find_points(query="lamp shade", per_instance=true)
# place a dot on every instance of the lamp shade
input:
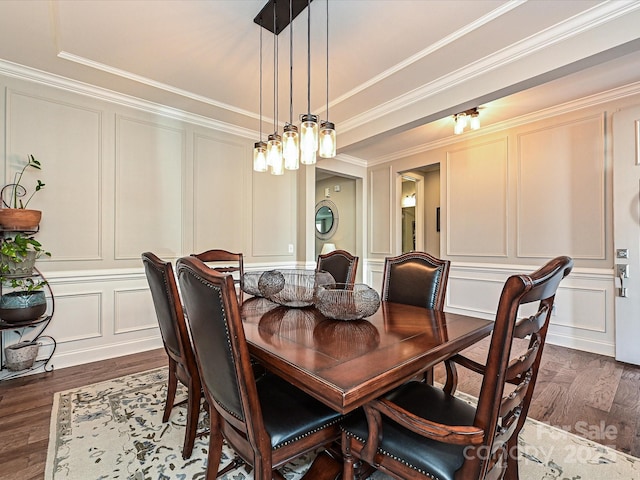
(260, 157)
(327, 140)
(308, 139)
(290, 150)
(327, 247)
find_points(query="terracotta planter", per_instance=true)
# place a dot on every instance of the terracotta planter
(12, 269)
(20, 307)
(20, 219)
(21, 355)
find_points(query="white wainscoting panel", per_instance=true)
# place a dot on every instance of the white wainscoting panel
(477, 207)
(583, 317)
(149, 178)
(561, 189)
(134, 310)
(78, 316)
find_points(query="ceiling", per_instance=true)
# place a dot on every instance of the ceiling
(397, 68)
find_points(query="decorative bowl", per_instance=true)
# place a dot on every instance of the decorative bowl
(342, 301)
(291, 288)
(249, 283)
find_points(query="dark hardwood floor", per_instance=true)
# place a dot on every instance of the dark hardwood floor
(587, 394)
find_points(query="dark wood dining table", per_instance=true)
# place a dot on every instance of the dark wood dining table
(344, 364)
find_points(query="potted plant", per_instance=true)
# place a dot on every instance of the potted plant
(15, 215)
(18, 254)
(25, 302)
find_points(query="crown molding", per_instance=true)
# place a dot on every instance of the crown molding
(22, 72)
(578, 24)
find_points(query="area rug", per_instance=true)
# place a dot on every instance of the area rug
(114, 430)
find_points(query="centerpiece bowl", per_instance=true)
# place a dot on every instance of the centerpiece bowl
(291, 288)
(342, 301)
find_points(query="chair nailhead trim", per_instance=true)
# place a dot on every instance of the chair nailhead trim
(390, 455)
(310, 432)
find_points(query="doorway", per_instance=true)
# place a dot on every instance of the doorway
(420, 210)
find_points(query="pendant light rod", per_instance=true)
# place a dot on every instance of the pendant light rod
(309, 57)
(275, 73)
(291, 61)
(327, 2)
(261, 84)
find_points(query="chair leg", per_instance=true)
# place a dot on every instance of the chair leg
(193, 413)
(512, 458)
(171, 390)
(215, 445)
(347, 459)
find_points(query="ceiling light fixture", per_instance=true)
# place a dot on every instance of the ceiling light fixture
(469, 118)
(296, 147)
(327, 135)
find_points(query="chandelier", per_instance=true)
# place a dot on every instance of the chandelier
(292, 148)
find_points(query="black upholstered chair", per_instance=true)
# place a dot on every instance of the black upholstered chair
(177, 344)
(415, 278)
(267, 421)
(340, 264)
(420, 431)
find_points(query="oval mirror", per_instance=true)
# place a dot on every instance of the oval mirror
(326, 219)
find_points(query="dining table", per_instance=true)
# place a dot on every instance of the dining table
(345, 364)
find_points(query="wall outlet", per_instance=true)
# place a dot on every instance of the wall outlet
(291, 248)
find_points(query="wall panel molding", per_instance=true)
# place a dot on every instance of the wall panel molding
(561, 189)
(477, 213)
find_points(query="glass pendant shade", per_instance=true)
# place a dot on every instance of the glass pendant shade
(327, 140)
(290, 147)
(274, 154)
(260, 157)
(475, 121)
(461, 123)
(308, 139)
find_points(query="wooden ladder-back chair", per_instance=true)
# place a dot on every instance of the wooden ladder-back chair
(340, 264)
(224, 261)
(420, 431)
(177, 343)
(267, 421)
(415, 278)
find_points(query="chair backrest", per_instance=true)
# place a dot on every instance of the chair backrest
(501, 412)
(166, 300)
(223, 261)
(220, 346)
(415, 278)
(340, 264)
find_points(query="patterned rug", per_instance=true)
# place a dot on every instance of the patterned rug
(114, 430)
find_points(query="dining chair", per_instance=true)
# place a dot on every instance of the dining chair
(421, 431)
(267, 421)
(340, 264)
(177, 343)
(415, 278)
(224, 261)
